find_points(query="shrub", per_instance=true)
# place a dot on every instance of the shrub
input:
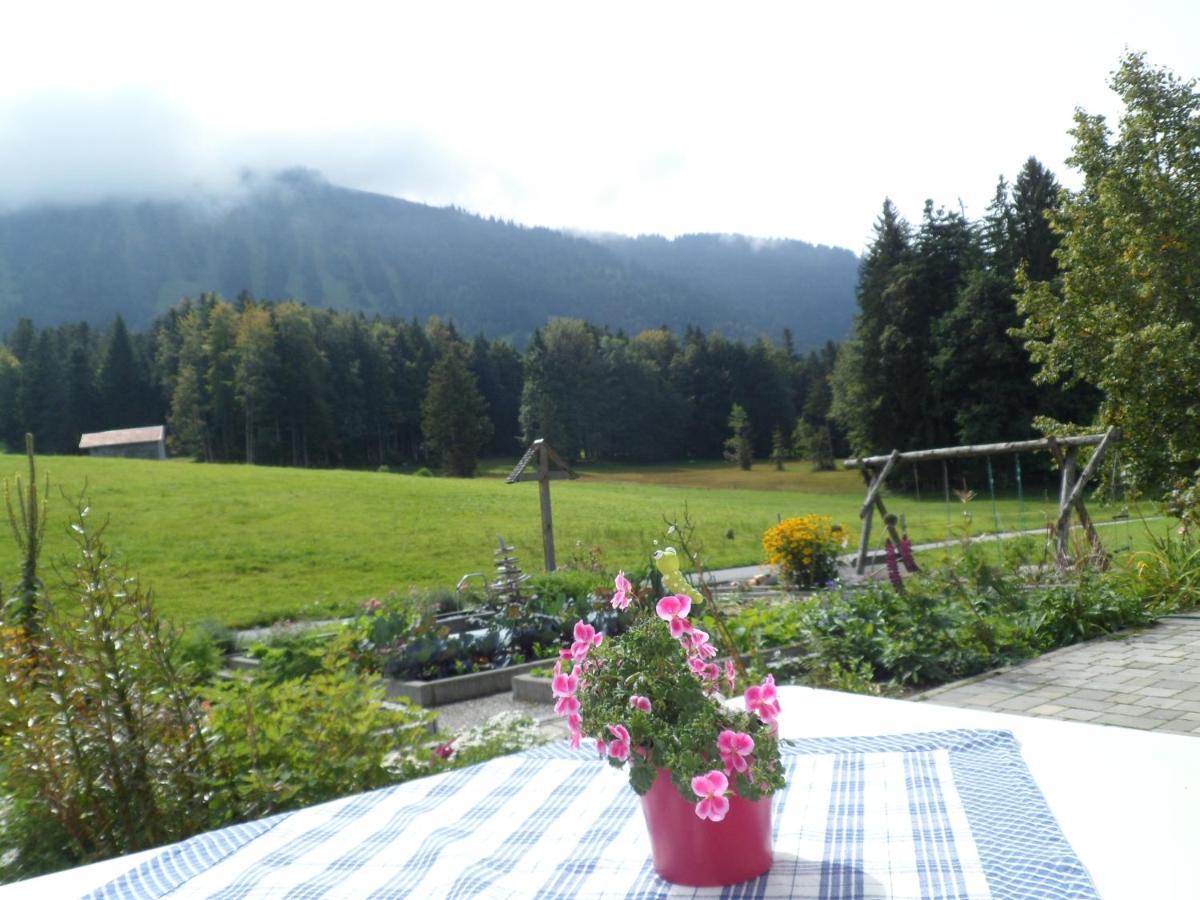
(303, 741)
(200, 651)
(305, 654)
(1166, 578)
(104, 740)
(805, 548)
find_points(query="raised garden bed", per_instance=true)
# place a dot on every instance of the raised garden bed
(463, 687)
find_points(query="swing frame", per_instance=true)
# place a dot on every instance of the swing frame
(876, 469)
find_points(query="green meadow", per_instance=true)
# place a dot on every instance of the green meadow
(246, 545)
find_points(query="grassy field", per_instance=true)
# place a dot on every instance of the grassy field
(247, 545)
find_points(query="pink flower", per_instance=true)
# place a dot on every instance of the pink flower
(566, 706)
(674, 609)
(620, 599)
(735, 747)
(585, 639)
(618, 747)
(730, 675)
(575, 727)
(444, 751)
(761, 700)
(711, 790)
(697, 666)
(699, 643)
(601, 747)
(639, 702)
(563, 685)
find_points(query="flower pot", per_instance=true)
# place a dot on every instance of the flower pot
(696, 852)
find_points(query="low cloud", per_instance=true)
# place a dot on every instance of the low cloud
(69, 149)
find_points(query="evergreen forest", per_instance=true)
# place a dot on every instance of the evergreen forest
(932, 360)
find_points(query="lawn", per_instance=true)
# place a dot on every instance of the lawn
(247, 545)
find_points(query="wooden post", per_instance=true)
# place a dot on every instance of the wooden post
(544, 494)
(1062, 526)
(864, 539)
(549, 467)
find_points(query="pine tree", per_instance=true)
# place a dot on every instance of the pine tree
(82, 398)
(123, 389)
(255, 371)
(42, 394)
(779, 449)
(738, 448)
(454, 414)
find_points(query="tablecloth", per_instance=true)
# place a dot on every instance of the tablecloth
(935, 814)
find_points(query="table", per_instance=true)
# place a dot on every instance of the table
(1127, 801)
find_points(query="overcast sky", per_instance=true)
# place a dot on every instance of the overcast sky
(775, 120)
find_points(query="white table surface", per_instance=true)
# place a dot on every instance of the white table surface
(1128, 801)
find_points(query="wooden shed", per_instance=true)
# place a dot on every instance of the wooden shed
(149, 442)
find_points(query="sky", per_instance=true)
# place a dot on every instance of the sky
(777, 120)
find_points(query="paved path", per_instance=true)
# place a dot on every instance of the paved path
(1146, 678)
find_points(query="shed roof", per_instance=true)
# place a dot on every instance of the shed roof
(146, 435)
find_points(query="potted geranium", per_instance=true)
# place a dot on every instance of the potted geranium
(653, 700)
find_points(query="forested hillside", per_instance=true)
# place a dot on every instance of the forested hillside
(298, 237)
(935, 358)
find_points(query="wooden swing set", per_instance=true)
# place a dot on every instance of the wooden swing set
(876, 469)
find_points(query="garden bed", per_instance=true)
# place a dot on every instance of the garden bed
(464, 687)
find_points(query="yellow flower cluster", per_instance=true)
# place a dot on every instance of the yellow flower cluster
(805, 549)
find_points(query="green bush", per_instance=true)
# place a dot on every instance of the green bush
(200, 651)
(284, 746)
(950, 623)
(103, 739)
(1166, 578)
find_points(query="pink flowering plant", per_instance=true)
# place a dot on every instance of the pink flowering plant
(654, 698)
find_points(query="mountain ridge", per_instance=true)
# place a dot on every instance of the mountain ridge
(295, 235)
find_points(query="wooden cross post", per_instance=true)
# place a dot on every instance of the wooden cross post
(549, 468)
(867, 513)
(1071, 497)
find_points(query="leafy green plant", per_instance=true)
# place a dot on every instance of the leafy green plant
(305, 654)
(305, 740)
(1088, 608)
(200, 652)
(104, 741)
(950, 622)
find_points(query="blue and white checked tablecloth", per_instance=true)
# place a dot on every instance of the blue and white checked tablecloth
(941, 814)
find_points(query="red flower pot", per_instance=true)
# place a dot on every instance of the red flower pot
(696, 852)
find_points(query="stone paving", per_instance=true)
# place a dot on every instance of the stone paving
(1146, 678)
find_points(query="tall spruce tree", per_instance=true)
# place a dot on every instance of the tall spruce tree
(255, 372)
(454, 413)
(739, 447)
(126, 397)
